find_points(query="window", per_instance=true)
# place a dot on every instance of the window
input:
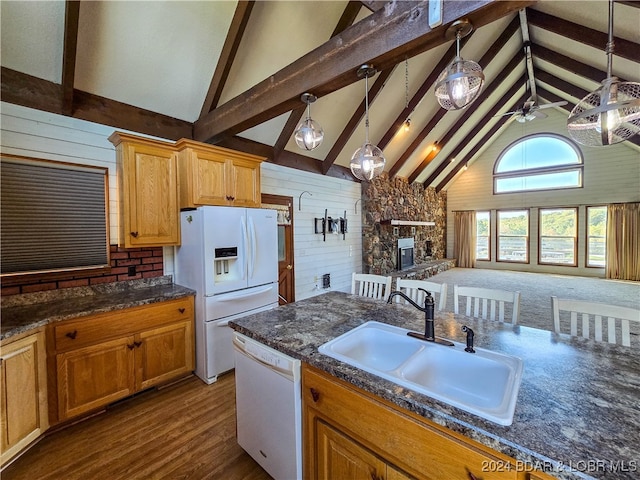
(558, 236)
(596, 232)
(538, 162)
(53, 218)
(483, 243)
(513, 236)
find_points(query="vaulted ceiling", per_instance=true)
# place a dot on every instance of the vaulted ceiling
(232, 73)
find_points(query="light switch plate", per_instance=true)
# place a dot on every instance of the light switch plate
(435, 12)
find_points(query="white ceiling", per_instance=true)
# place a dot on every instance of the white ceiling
(160, 56)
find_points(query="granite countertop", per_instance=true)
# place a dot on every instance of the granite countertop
(21, 313)
(577, 412)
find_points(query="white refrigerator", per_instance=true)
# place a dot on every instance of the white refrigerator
(229, 256)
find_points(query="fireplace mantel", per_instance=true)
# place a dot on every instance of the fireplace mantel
(407, 222)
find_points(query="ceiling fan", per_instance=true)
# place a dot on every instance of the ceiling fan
(529, 111)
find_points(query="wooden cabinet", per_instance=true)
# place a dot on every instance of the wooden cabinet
(23, 406)
(386, 442)
(106, 357)
(148, 188)
(211, 175)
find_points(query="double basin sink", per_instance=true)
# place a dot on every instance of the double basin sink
(484, 383)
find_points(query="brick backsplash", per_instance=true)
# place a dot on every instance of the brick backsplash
(148, 262)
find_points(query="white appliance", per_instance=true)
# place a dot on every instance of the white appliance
(268, 406)
(229, 256)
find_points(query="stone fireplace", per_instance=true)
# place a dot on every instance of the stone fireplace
(383, 200)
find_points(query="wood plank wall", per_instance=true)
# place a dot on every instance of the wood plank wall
(38, 134)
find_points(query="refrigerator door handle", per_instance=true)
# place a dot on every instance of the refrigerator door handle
(252, 235)
(225, 297)
(245, 248)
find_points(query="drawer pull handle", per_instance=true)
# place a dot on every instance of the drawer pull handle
(72, 335)
(134, 234)
(131, 346)
(137, 344)
(181, 310)
(315, 394)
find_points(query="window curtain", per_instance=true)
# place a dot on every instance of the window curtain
(464, 246)
(623, 241)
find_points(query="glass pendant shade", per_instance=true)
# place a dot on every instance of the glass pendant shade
(309, 133)
(610, 114)
(367, 162)
(460, 84)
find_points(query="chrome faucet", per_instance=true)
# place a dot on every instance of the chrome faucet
(428, 309)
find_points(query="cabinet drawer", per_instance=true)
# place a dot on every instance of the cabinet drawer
(92, 329)
(415, 446)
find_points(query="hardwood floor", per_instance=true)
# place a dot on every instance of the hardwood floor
(184, 431)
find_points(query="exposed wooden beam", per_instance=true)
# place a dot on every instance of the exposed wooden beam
(286, 159)
(487, 138)
(633, 3)
(227, 55)
(349, 15)
(585, 35)
(488, 89)
(476, 129)
(373, 5)
(354, 121)
(489, 55)
(383, 39)
(347, 18)
(567, 63)
(420, 93)
(29, 91)
(71, 17)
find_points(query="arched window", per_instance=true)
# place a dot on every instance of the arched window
(544, 161)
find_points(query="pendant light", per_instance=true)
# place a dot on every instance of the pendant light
(610, 114)
(461, 82)
(309, 133)
(368, 161)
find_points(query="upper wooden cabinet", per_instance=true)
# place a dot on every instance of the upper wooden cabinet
(148, 186)
(211, 175)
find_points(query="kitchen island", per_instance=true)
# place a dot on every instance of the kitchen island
(577, 412)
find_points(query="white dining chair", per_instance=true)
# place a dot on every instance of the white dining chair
(482, 302)
(370, 285)
(583, 315)
(411, 288)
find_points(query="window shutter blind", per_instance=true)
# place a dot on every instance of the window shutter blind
(53, 216)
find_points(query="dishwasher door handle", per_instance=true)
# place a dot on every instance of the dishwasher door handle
(240, 346)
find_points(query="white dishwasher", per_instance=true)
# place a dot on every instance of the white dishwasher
(268, 407)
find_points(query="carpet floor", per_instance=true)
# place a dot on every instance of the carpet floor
(536, 290)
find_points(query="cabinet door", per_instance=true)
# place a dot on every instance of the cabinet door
(92, 377)
(164, 353)
(150, 196)
(208, 179)
(341, 457)
(244, 183)
(23, 415)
